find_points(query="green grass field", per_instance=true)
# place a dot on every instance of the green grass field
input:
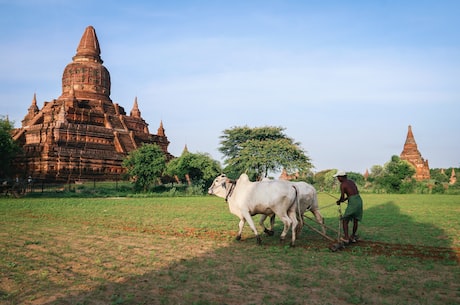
(182, 251)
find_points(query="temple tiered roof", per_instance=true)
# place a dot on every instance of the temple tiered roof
(82, 134)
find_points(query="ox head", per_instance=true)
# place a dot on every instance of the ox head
(219, 186)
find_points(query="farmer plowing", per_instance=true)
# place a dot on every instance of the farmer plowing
(288, 200)
(354, 210)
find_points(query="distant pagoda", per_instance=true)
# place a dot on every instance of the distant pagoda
(412, 155)
(82, 134)
(453, 177)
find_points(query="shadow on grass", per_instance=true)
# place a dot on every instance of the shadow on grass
(389, 232)
(233, 272)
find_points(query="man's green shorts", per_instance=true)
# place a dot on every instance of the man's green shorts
(354, 209)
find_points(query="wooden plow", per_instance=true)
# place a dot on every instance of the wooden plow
(337, 244)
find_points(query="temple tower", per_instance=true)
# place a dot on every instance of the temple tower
(412, 155)
(453, 177)
(82, 134)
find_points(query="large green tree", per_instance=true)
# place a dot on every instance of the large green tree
(262, 150)
(145, 165)
(396, 176)
(200, 167)
(376, 171)
(8, 148)
(325, 181)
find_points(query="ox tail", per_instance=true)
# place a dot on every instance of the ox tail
(298, 213)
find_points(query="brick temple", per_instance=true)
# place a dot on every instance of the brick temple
(82, 134)
(412, 155)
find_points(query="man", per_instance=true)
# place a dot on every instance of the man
(354, 209)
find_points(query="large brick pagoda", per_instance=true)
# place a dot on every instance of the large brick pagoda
(82, 134)
(412, 155)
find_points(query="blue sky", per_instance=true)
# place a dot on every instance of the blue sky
(344, 78)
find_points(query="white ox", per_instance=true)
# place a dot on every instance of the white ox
(308, 201)
(246, 198)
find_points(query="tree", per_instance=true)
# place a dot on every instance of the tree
(200, 167)
(145, 165)
(8, 148)
(376, 171)
(396, 176)
(357, 178)
(325, 180)
(439, 175)
(261, 150)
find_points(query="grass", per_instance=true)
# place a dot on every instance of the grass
(182, 251)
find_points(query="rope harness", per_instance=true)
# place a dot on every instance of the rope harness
(232, 187)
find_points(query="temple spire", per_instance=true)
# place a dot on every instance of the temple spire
(85, 77)
(185, 151)
(411, 154)
(31, 112)
(453, 177)
(88, 49)
(410, 136)
(135, 111)
(33, 109)
(161, 130)
(410, 149)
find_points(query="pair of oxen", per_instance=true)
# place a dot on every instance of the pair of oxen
(287, 200)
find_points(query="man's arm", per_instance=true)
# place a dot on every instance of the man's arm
(342, 194)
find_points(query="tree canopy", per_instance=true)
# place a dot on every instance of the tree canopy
(145, 165)
(396, 176)
(262, 150)
(325, 180)
(8, 148)
(199, 167)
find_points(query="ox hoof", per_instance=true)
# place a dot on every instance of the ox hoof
(238, 237)
(259, 240)
(292, 245)
(269, 232)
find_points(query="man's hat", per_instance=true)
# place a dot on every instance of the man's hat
(340, 174)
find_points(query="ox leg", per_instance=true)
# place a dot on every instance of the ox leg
(299, 227)
(269, 232)
(248, 218)
(240, 228)
(295, 223)
(319, 219)
(287, 224)
(272, 224)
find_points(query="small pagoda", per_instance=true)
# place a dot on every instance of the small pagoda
(412, 155)
(82, 134)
